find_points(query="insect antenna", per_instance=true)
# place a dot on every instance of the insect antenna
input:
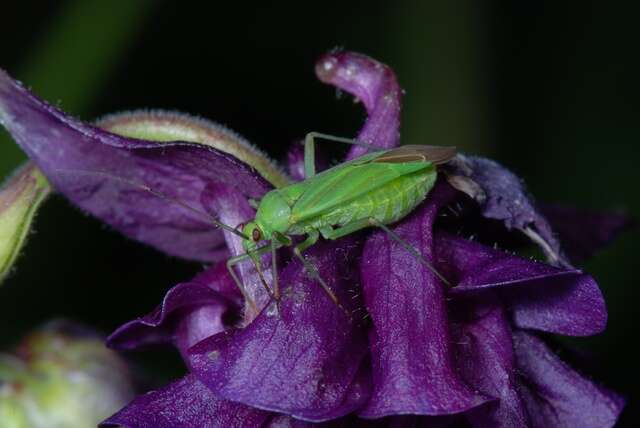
(160, 195)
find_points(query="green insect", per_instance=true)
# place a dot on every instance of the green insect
(374, 190)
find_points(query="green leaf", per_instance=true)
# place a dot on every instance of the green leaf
(20, 198)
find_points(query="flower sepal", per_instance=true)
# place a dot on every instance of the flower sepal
(20, 199)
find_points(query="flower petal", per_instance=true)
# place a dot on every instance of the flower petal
(505, 198)
(350, 421)
(110, 175)
(168, 126)
(557, 396)
(295, 161)
(583, 232)
(185, 403)
(189, 313)
(485, 358)
(306, 359)
(20, 198)
(540, 296)
(235, 210)
(412, 359)
(374, 84)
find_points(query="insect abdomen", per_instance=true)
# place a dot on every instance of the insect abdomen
(386, 204)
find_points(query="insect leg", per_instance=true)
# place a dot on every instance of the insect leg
(310, 151)
(345, 230)
(410, 249)
(274, 271)
(312, 270)
(310, 155)
(232, 261)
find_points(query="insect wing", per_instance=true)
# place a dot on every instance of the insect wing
(346, 184)
(417, 153)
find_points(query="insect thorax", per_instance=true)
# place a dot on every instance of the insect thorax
(273, 213)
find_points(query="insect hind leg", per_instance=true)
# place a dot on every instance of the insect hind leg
(313, 271)
(410, 249)
(310, 149)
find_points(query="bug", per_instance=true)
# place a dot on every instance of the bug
(374, 190)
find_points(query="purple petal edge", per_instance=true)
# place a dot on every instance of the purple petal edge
(373, 83)
(482, 338)
(412, 360)
(555, 394)
(305, 359)
(108, 175)
(541, 296)
(189, 313)
(185, 403)
(506, 199)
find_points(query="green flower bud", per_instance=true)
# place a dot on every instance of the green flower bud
(20, 198)
(61, 376)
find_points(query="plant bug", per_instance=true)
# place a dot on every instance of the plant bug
(375, 190)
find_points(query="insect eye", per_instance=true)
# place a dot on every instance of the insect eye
(255, 235)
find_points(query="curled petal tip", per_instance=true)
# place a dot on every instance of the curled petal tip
(326, 67)
(374, 84)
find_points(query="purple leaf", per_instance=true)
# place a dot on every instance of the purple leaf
(185, 403)
(374, 84)
(189, 313)
(108, 175)
(412, 359)
(306, 359)
(557, 396)
(540, 296)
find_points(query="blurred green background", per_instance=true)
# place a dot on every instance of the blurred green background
(547, 88)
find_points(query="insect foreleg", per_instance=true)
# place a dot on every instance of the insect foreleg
(310, 150)
(232, 261)
(409, 248)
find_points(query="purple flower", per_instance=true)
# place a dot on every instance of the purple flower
(414, 352)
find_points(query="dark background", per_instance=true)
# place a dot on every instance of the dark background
(547, 88)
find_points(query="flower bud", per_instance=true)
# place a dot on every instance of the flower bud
(20, 198)
(61, 376)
